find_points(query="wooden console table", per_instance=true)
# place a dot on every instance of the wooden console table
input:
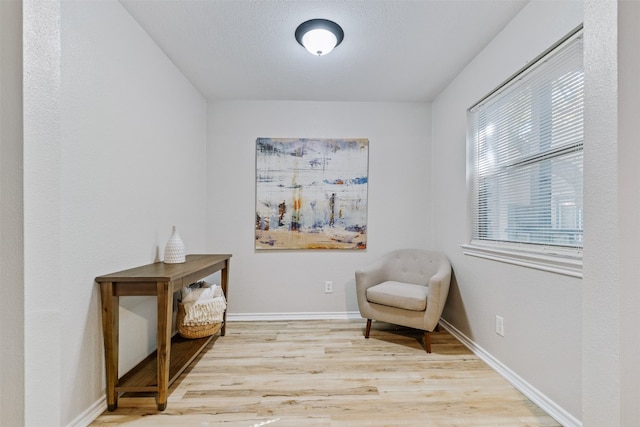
(158, 371)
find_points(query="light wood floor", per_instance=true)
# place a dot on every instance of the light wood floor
(325, 373)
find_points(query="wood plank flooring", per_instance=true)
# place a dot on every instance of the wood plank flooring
(325, 373)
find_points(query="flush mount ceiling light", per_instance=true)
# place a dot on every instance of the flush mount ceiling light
(319, 36)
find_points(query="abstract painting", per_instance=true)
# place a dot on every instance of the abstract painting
(311, 193)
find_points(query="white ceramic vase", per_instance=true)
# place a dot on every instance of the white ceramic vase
(174, 250)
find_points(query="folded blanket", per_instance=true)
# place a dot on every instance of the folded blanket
(203, 305)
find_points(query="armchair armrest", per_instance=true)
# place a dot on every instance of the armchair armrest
(370, 276)
(438, 292)
(443, 275)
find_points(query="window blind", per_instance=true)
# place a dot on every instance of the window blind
(527, 140)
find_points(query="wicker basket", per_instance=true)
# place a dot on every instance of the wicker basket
(198, 331)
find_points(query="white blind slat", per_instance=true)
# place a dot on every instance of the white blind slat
(527, 142)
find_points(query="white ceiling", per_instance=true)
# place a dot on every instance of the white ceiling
(393, 50)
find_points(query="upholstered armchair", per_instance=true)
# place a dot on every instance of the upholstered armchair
(406, 287)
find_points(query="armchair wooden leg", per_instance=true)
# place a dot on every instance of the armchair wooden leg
(368, 329)
(427, 342)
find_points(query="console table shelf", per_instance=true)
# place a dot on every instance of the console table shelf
(161, 368)
(143, 377)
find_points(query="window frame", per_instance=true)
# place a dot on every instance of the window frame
(564, 260)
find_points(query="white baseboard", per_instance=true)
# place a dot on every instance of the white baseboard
(251, 317)
(90, 414)
(546, 404)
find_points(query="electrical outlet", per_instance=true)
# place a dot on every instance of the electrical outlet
(500, 326)
(328, 287)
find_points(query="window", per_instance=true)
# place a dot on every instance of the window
(526, 163)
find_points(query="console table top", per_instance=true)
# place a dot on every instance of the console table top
(161, 272)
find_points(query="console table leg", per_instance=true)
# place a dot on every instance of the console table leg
(110, 331)
(165, 311)
(224, 284)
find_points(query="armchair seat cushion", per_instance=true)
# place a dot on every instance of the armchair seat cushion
(406, 296)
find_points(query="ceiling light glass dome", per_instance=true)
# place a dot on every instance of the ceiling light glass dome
(319, 36)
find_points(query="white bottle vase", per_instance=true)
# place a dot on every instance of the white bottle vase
(174, 250)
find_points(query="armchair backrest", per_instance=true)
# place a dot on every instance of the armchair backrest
(415, 266)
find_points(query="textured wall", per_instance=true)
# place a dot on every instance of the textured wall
(11, 217)
(42, 237)
(628, 160)
(602, 286)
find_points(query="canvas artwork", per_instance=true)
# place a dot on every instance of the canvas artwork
(311, 193)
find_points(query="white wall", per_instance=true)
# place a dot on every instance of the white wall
(611, 295)
(11, 216)
(42, 259)
(542, 311)
(399, 214)
(114, 156)
(629, 207)
(601, 304)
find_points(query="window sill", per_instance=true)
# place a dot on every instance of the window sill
(566, 264)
